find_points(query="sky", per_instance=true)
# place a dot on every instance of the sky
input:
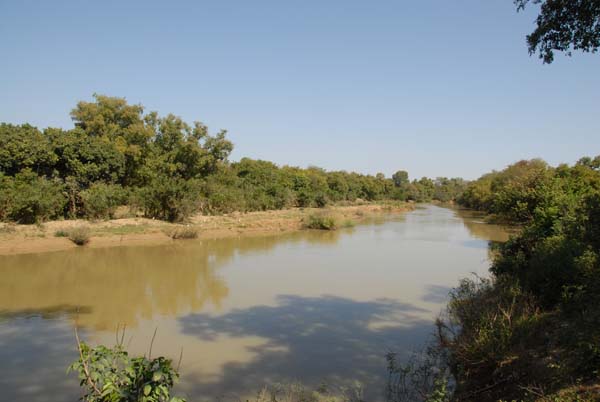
(437, 88)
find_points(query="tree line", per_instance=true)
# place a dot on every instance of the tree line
(165, 168)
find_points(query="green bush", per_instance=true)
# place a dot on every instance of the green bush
(101, 200)
(320, 222)
(6, 196)
(170, 199)
(35, 199)
(185, 232)
(61, 233)
(79, 235)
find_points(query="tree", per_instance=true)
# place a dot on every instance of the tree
(564, 25)
(400, 178)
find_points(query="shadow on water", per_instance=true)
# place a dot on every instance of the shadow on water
(50, 312)
(316, 339)
(436, 294)
(42, 379)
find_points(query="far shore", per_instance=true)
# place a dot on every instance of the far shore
(40, 238)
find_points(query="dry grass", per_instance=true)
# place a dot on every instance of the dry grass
(79, 235)
(185, 232)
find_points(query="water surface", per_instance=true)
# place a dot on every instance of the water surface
(307, 306)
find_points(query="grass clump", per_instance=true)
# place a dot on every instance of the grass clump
(321, 222)
(185, 232)
(80, 235)
(61, 233)
(348, 223)
(8, 228)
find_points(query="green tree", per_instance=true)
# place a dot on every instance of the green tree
(400, 178)
(24, 147)
(34, 198)
(564, 25)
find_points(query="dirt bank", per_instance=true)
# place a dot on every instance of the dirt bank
(19, 239)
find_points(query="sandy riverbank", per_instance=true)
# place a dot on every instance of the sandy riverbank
(19, 239)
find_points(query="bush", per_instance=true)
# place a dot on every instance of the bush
(101, 200)
(79, 235)
(496, 334)
(185, 232)
(61, 233)
(6, 196)
(170, 199)
(34, 199)
(320, 222)
(348, 223)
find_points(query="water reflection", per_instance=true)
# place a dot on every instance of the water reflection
(125, 284)
(478, 228)
(113, 286)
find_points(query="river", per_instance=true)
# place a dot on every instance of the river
(307, 306)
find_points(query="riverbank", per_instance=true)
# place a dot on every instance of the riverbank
(46, 237)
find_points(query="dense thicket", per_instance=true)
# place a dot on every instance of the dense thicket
(532, 331)
(165, 168)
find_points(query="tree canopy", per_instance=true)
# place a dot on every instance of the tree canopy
(565, 26)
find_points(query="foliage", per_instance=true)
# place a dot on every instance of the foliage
(101, 200)
(564, 25)
(513, 193)
(61, 233)
(168, 169)
(423, 378)
(23, 147)
(533, 329)
(185, 232)
(321, 222)
(169, 199)
(110, 374)
(79, 235)
(29, 198)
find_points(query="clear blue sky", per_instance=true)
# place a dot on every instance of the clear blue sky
(433, 87)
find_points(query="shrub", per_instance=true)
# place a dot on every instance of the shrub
(320, 222)
(61, 233)
(348, 223)
(79, 235)
(7, 228)
(6, 196)
(35, 198)
(185, 232)
(101, 200)
(170, 199)
(494, 330)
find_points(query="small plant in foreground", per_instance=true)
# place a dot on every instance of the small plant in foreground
(79, 235)
(320, 222)
(110, 374)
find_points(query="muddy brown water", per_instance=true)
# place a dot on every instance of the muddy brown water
(313, 307)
